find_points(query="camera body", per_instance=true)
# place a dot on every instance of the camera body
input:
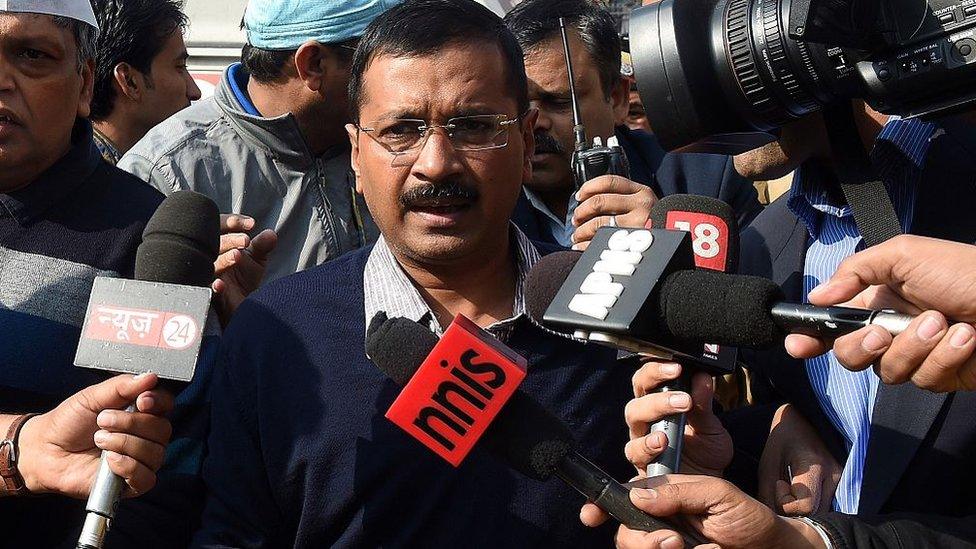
(722, 75)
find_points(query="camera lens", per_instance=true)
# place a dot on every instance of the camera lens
(720, 75)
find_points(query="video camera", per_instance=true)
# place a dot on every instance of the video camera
(722, 76)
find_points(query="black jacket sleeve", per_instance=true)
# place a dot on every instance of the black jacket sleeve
(901, 531)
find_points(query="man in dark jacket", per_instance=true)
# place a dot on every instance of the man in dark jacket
(550, 208)
(301, 454)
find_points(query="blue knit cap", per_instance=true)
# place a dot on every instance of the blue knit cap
(287, 24)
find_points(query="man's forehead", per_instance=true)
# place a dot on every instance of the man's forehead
(31, 26)
(449, 82)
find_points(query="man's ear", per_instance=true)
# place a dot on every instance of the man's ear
(87, 89)
(528, 137)
(620, 100)
(353, 133)
(128, 81)
(310, 62)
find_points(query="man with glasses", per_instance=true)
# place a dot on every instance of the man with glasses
(301, 454)
(270, 144)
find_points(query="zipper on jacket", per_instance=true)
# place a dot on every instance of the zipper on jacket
(329, 211)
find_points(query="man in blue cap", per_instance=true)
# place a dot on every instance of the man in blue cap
(270, 144)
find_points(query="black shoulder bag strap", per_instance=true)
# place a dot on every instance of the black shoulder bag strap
(873, 212)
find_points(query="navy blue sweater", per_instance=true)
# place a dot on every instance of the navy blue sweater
(301, 455)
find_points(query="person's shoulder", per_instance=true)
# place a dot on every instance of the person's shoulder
(325, 285)
(180, 131)
(122, 195)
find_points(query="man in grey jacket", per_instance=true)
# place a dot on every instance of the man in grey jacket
(270, 144)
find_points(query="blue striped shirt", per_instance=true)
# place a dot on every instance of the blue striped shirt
(847, 398)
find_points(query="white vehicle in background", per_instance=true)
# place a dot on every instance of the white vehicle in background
(214, 38)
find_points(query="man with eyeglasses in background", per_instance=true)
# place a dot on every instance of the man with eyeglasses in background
(270, 143)
(300, 453)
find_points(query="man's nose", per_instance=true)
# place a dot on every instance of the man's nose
(437, 158)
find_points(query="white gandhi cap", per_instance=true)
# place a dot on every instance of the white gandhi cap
(80, 10)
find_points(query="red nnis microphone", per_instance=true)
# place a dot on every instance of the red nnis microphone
(458, 390)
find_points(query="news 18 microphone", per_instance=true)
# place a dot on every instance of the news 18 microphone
(475, 368)
(153, 323)
(715, 242)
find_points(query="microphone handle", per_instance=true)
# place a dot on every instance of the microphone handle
(669, 461)
(614, 498)
(833, 322)
(102, 503)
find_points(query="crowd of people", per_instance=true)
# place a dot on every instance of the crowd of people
(413, 157)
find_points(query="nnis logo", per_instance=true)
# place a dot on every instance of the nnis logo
(599, 293)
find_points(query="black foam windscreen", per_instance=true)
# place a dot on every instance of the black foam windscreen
(721, 308)
(708, 205)
(524, 434)
(181, 241)
(544, 280)
(398, 346)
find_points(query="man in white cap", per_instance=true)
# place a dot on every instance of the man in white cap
(270, 144)
(65, 217)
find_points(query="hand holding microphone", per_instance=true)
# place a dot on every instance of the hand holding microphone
(933, 278)
(707, 447)
(60, 451)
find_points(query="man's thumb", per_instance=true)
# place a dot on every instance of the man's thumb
(118, 392)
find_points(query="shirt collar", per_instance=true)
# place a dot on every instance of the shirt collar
(387, 288)
(901, 145)
(105, 146)
(562, 229)
(54, 184)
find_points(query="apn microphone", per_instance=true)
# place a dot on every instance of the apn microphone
(523, 434)
(696, 306)
(153, 323)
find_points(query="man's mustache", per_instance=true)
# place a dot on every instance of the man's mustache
(546, 143)
(427, 194)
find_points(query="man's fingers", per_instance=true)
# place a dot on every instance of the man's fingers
(233, 241)
(117, 392)
(639, 413)
(226, 260)
(607, 184)
(652, 375)
(951, 366)
(680, 494)
(636, 539)
(235, 223)
(137, 476)
(148, 453)
(146, 426)
(869, 267)
(157, 402)
(910, 348)
(612, 204)
(263, 244)
(860, 349)
(641, 451)
(593, 516)
(585, 232)
(801, 346)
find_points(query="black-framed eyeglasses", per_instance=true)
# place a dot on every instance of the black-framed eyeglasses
(467, 133)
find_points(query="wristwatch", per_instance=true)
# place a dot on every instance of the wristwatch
(9, 455)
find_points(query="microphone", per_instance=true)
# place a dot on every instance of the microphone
(523, 434)
(696, 306)
(153, 323)
(714, 234)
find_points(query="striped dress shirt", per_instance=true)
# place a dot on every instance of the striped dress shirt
(847, 398)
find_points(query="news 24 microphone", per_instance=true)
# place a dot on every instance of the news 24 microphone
(714, 234)
(153, 323)
(476, 369)
(697, 306)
